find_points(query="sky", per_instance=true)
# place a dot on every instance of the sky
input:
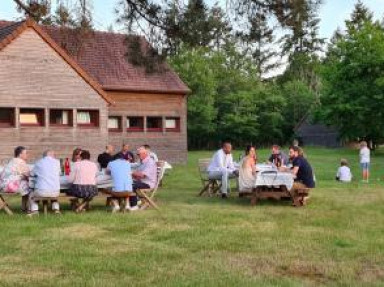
(332, 14)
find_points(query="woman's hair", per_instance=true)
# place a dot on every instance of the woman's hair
(76, 152)
(363, 144)
(85, 155)
(297, 149)
(343, 162)
(19, 150)
(248, 149)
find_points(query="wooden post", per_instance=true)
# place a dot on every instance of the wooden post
(4, 205)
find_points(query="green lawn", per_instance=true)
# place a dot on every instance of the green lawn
(337, 240)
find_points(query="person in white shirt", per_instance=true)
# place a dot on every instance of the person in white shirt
(344, 172)
(365, 160)
(222, 167)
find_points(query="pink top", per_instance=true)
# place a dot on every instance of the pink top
(83, 173)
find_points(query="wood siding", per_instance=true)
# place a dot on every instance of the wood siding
(171, 146)
(33, 75)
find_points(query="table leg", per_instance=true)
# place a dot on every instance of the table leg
(254, 196)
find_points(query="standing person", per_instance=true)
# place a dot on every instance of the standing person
(222, 167)
(106, 157)
(83, 177)
(278, 158)
(365, 160)
(344, 172)
(47, 172)
(247, 171)
(15, 176)
(120, 171)
(126, 153)
(145, 176)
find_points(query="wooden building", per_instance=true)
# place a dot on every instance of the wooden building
(57, 94)
(317, 134)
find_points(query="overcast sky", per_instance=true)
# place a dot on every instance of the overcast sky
(333, 13)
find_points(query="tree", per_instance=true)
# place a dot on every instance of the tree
(353, 74)
(196, 69)
(258, 40)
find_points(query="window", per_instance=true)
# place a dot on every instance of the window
(172, 124)
(61, 118)
(154, 124)
(7, 117)
(31, 117)
(135, 124)
(87, 118)
(114, 124)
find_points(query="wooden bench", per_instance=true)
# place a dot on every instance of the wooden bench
(300, 196)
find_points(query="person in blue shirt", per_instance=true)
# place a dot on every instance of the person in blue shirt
(120, 171)
(47, 172)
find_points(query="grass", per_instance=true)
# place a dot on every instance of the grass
(337, 240)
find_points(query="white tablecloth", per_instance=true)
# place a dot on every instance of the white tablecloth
(102, 180)
(274, 178)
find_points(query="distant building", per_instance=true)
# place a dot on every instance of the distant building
(51, 97)
(311, 134)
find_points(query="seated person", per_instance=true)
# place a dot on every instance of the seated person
(126, 153)
(47, 172)
(247, 171)
(301, 170)
(146, 174)
(222, 167)
(151, 153)
(120, 171)
(83, 176)
(278, 158)
(15, 176)
(344, 172)
(106, 157)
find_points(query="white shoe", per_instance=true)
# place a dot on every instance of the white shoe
(115, 209)
(134, 208)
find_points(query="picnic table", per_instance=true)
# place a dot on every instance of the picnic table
(103, 181)
(271, 183)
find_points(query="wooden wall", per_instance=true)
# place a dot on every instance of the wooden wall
(171, 146)
(32, 75)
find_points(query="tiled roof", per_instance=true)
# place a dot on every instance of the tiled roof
(103, 55)
(7, 28)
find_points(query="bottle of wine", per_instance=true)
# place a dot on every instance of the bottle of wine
(67, 167)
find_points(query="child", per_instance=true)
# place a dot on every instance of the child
(365, 160)
(344, 172)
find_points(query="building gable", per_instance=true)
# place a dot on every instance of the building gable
(33, 44)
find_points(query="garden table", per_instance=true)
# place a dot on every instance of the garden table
(271, 183)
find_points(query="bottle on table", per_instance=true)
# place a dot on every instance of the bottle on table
(67, 167)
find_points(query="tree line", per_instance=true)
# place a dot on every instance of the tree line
(229, 59)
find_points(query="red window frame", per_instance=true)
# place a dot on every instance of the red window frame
(9, 120)
(40, 112)
(158, 120)
(120, 126)
(70, 117)
(95, 119)
(137, 128)
(175, 129)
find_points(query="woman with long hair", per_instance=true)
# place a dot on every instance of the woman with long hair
(247, 171)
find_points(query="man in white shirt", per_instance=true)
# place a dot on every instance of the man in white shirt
(222, 167)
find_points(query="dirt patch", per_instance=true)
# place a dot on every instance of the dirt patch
(370, 273)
